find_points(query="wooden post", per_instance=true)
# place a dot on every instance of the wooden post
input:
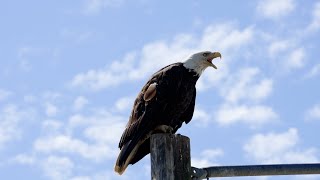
(170, 157)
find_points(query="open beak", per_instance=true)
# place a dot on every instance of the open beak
(211, 57)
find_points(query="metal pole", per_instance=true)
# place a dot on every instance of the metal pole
(257, 170)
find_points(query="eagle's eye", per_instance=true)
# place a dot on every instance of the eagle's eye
(205, 54)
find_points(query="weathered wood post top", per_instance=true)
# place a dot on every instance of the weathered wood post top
(170, 157)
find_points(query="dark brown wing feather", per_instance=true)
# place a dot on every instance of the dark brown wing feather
(172, 105)
(142, 116)
(187, 115)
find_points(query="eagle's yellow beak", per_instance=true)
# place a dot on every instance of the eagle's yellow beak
(211, 57)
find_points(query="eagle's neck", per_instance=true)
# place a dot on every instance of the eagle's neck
(195, 66)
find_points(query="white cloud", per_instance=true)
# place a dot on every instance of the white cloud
(58, 168)
(207, 158)
(51, 110)
(51, 95)
(296, 59)
(315, 23)
(200, 116)
(96, 6)
(227, 37)
(67, 144)
(246, 86)
(111, 76)
(97, 124)
(24, 159)
(79, 103)
(212, 153)
(81, 178)
(97, 132)
(279, 46)
(11, 118)
(124, 103)
(94, 145)
(230, 42)
(313, 113)
(28, 56)
(211, 78)
(315, 71)
(256, 115)
(287, 54)
(279, 148)
(138, 65)
(108, 175)
(50, 98)
(51, 126)
(201, 162)
(80, 138)
(242, 93)
(4, 94)
(274, 9)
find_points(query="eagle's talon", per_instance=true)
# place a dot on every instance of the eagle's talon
(165, 129)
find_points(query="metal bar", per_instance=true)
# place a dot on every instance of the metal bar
(257, 170)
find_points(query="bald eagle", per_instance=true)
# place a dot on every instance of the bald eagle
(164, 103)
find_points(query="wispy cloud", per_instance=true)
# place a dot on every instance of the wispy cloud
(51, 95)
(315, 71)
(275, 9)
(279, 148)
(76, 35)
(11, 117)
(255, 115)
(140, 64)
(108, 77)
(313, 113)
(124, 103)
(81, 178)
(96, 124)
(51, 109)
(246, 85)
(315, 23)
(56, 167)
(4, 94)
(52, 126)
(207, 157)
(96, 6)
(29, 56)
(80, 102)
(201, 117)
(296, 59)
(279, 46)
(50, 99)
(243, 93)
(23, 159)
(95, 146)
(23, 53)
(69, 145)
(63, 142)
(29, 99)
(287, 54)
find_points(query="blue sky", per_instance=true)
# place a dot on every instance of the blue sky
(70, 72)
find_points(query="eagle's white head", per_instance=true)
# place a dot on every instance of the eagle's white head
(198, 62)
